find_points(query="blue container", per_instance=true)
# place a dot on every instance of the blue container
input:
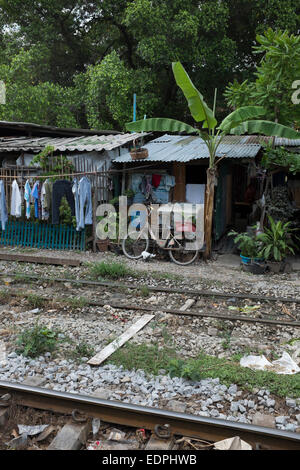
(245, 260)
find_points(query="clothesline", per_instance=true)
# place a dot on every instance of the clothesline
(46, 196)
(13, 177)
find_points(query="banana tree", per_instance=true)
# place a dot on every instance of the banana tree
(243, 120)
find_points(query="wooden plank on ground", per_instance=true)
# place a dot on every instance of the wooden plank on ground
(39, 259)
(112, 347)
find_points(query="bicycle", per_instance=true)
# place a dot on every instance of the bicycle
(183, 249)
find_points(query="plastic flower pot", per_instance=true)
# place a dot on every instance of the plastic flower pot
(245, 259)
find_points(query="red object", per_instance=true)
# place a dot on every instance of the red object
(156, 179)
(187, 227)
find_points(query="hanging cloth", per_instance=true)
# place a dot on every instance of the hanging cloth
(46, 194)
(36, 194)
(82, 192)
(27, 194)
(16, 201)
(3, 207)
(61, 188)
(156, 179)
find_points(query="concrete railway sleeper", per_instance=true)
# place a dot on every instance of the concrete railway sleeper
(166, 428)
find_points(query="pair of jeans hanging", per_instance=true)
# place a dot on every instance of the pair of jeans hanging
(82, 192)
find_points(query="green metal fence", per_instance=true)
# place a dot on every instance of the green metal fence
(39, 235)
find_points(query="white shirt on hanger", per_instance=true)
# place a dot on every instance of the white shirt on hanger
(16, 201)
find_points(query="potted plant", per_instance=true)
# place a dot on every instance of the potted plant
(250, 247)
(129, 193)
(276, 244)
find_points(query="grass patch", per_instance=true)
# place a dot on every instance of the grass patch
(81, 350)
(4, 296)
(152, 358)
(20, 278)
(161, 275)
(112, 270)
(36, 301)
(76, 302)
(38, 340)
(144, 291)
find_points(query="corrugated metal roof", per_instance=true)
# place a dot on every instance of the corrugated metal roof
(279, 141)
(178, 148)
(81, 144)
(19, 128)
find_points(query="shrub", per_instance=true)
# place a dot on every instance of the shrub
(111, 270)
(35, 341)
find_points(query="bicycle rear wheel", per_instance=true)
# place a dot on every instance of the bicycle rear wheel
(133, 249)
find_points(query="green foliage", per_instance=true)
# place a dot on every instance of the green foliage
(65, 213)
(276, 72)
(153, 358)
(160, 125)
(247, 243)
(112, 270)
(76, 302)
(55, 165)
(279, 156)
(35, 301)
(144, 291)
(150, 358)
(81, 350)
(187, 369)
(266, 128)
(35, 341)
(79, 65)
(276, 241)
(198, 108)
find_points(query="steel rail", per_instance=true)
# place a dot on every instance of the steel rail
(187, 313)
(139, 416)
(170, 290)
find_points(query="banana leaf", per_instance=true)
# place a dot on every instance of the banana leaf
(266, 128)
(199, 109)
(241, 115)
(160, 125)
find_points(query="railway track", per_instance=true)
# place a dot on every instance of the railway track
(219, 310)
(178, 424)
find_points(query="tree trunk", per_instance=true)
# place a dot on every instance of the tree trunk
(209, 210)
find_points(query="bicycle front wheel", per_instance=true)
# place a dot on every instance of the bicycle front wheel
(133, 249)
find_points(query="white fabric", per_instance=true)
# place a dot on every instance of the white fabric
(195, 193)
(16, 201)
(284, 365)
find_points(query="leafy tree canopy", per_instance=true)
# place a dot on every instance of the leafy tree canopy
(278, 69)
(79, 63)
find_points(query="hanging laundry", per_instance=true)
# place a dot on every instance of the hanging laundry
(47, 200)
(27, 194)
(3, 207)
(36, 195)
(156, 179)
(83, 202)
(16, 201)
(46, 193)
(61, 188)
